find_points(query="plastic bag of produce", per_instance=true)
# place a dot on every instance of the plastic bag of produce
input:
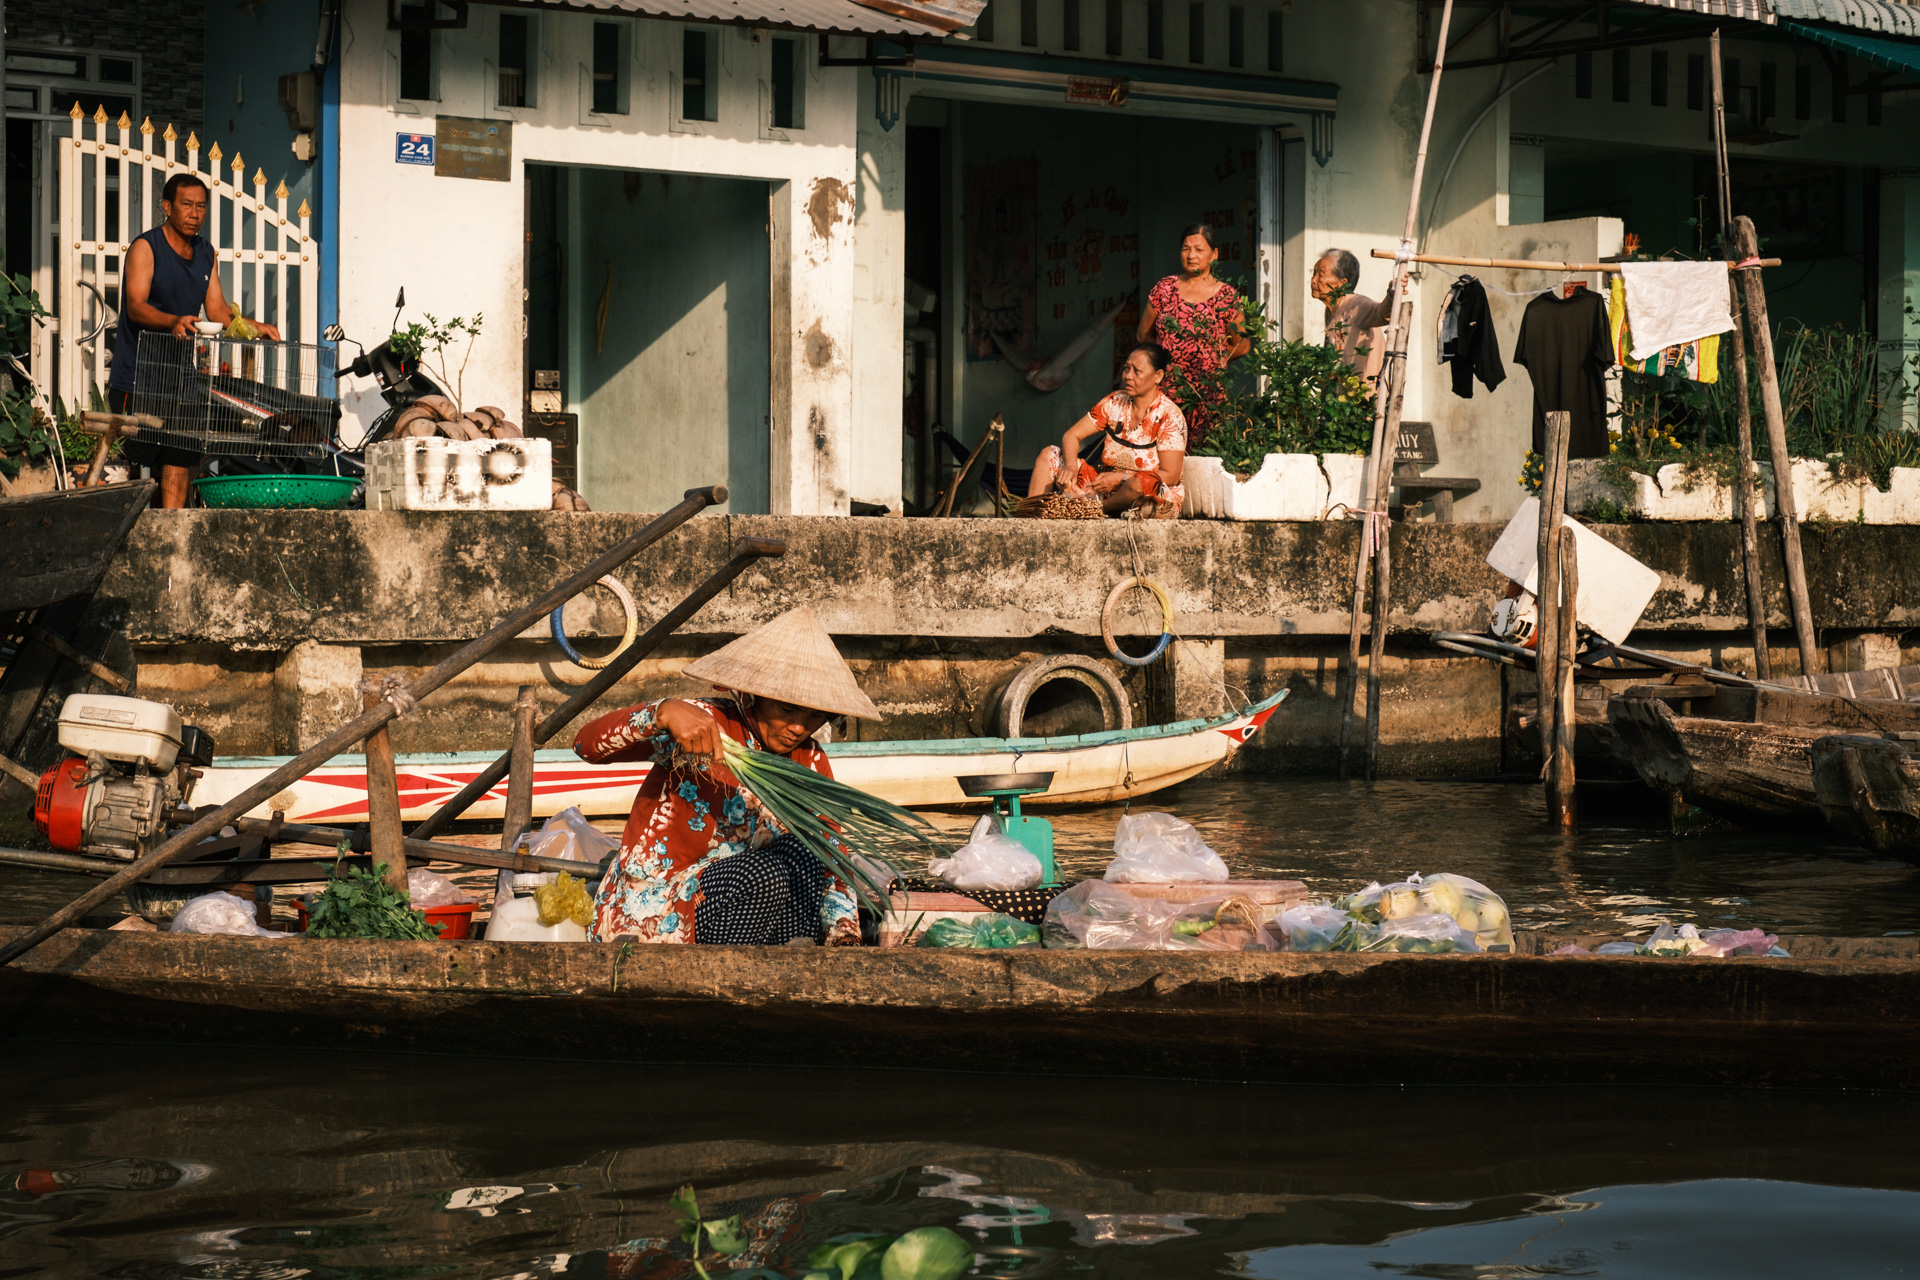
(564, 899)
(990, 859)
(1473, 906)
(431, 889)
(1311, 926)
(1095, 914)
(1379, 902)
(567, 834)
(1720, 943)
(990, 929)
(1421, 935)
(1669, 941)
(1221, 924)
(1158, 848)
(220, 913)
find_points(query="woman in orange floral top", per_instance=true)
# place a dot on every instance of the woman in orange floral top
(1142, 450)
(700, 859)
(1197, 318)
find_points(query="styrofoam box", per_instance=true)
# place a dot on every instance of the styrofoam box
(432, 473)
(1615, 589)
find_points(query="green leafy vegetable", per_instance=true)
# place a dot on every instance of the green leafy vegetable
(358, 904)
(728, 1236)
(927, 1253)
(854, 1259)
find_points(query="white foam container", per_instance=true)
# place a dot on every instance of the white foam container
(518, 920)
(433, 473)
(128, 730)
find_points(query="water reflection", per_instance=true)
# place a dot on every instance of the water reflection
(150, 1163)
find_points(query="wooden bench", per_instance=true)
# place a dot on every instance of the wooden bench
(1416, 451)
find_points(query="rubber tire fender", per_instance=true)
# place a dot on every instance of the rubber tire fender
(1091, 673)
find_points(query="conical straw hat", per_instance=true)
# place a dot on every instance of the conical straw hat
(793, 659)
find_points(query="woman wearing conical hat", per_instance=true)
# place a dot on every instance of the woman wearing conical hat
(700, 860)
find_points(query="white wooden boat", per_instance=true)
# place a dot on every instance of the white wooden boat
(1091, 768)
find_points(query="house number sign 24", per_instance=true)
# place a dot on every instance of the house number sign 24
(413, 148)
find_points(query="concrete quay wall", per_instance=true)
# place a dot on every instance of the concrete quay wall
(257, 624)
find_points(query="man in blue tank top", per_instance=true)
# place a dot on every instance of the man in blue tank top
(170, 275)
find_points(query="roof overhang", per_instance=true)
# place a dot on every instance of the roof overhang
(831, 17)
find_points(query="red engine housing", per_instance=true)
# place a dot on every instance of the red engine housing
(60, 804)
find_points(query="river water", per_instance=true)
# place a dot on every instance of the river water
(143, 1161)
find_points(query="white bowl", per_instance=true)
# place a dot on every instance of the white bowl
(209, 328)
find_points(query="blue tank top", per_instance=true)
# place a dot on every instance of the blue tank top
(179, 288)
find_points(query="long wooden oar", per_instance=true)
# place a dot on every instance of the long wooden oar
(751, 549)
(357, 729)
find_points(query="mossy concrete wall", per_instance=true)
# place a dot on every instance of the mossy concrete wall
(256, 623)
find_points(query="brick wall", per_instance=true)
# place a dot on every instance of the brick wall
(168, 35)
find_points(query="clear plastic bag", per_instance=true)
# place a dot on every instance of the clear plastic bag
(1095, 914)
(431, 889)
(1669, 941)
(1474, 907)
(1421, 935)
(567, 834)
(1720, 943)
(990, 859)
(990, 929)
(1220, 924)
(1158, 848)
(1311, 926)
(220, 913)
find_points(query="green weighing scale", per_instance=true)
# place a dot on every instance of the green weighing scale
(1005, 790)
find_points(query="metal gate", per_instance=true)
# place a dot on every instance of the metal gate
(110, 188)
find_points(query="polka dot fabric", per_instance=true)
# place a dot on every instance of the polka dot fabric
(761, 897)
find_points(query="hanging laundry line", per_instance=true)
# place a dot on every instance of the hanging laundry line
(1520, 264)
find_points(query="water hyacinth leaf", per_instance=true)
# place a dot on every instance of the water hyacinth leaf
(851, 1259)
(927, 1253)
(728, 1236)
(686, 1211)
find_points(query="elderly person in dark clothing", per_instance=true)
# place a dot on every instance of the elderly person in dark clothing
(1353, 320)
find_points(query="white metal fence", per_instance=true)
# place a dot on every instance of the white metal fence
(110, 186)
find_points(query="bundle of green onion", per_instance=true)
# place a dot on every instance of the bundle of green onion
(805, 803)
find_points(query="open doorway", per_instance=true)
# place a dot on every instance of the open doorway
(650, 294)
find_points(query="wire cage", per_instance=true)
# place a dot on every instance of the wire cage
(272, 402)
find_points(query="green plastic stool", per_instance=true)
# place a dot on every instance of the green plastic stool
(1005, 790)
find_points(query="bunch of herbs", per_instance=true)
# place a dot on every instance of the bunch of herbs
(357, 903)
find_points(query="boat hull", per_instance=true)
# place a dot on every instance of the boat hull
(1869, 789)
(58, 545)
(1087, 769)
(1749, 773)
(1840, 1013)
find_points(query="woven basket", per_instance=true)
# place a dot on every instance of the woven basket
(1059, 506)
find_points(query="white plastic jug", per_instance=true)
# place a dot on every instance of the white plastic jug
(518, 920)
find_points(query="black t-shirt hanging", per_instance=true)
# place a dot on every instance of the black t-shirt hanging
(1565, 348)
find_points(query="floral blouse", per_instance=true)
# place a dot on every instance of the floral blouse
(681, 822)
(1198, 336)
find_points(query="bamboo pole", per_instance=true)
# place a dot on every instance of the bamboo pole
(1749, 536)
(357, 729)
(1560, 774)
(1392, 369)
(751, 550)
(1747, 244)
(418, 850)
(519, 808)
(1547, 593)
(1532, 264)
(1383, 554)
(383, 794)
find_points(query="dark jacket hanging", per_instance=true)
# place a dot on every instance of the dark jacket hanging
(1566, 348)
(1470, 343)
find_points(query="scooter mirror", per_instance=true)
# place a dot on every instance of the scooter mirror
(400, 299)
(334, 333)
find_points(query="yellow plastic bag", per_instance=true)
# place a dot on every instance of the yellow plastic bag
(564, 899)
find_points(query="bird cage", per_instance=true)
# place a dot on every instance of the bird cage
(270, 402)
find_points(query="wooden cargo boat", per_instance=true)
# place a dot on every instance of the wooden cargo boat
(1840, 1012)
(1869, 790)
(1742, 751)
(55, 546)
(1090, 768)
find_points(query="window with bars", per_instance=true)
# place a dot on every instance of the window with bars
(1623, 75)
(1276, 41)
(1583, 75)
(515, 67)
(1696, 82)
(416, 56)
(983, 25)
(1196, 31)
(1658, 79)
(1156, 28)
(609, 69)
(1769, 91)
(1237, 36)
(699, 90)
(788, 82)
(1030, 23)
(1070, 25)
(1803, 92)
(1116, 29)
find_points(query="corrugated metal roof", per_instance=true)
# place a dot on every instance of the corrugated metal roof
(839, 16)
(1894, 55)
(1863, 15)
(1751, 10)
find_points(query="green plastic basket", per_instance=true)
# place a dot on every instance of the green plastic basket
(262, 492)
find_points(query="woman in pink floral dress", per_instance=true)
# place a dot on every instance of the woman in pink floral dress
(1197, 318)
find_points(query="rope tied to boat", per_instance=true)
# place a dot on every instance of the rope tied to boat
(390, 689)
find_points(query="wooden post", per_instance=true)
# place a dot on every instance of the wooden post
(1383, 552)
(1747, 245)
(1547, 593)
(1744, 494)
(1560, 772)
(519, 808)
(383, 795)
(1380, 458)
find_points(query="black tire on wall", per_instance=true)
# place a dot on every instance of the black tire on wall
(1092, 675)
